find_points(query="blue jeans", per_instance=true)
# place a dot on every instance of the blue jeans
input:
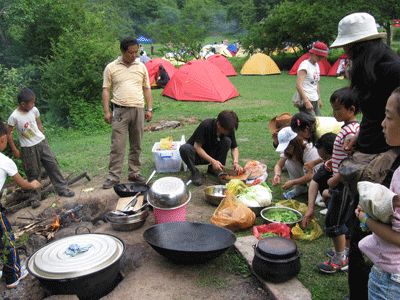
(381, 286)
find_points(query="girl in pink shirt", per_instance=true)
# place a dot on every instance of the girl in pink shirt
(383, 246)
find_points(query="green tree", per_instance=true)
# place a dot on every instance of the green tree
(384, 12)
(72, 76)
(294, 23)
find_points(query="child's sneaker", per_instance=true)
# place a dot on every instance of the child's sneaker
(24, 273)
(330, 267)
(323, 211)
(289, 194)
(331, 252)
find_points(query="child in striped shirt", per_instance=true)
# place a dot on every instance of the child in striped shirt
(345, 108)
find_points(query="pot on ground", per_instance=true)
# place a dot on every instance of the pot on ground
(276, 259)
(89, 275)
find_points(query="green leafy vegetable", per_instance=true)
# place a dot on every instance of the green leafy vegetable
(268, 234)
(279, 215)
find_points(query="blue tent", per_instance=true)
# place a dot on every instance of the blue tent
(232, 48)
(144, 40)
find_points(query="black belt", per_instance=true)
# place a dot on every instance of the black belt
(119, 106)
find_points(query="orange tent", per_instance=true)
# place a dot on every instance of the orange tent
(200, 81)
(223, 64)
(153, 65)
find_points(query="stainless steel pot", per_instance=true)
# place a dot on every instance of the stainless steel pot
(168, 192)
(128, 222)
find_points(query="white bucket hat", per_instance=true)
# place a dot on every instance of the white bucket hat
(285, 135)
(356, 27)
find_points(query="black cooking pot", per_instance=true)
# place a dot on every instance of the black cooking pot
(276, 259)
(89, 275)
(130, 189)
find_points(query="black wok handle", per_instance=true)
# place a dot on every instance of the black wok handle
(79, 227)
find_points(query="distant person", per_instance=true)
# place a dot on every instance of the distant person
(13, 271)
(144, 58)
(130, 85)
(210, 144)
(308, 96)
(35, 150)
(162, 77)
(152, 50)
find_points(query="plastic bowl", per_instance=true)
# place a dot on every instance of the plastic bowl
(280, 208)
(214, 194)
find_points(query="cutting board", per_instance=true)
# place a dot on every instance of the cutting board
(122, 202)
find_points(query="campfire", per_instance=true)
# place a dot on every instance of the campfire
(50, 221)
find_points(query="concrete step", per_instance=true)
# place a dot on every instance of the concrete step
(292, 289)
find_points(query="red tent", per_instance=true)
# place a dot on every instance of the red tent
(152, 67)
(200, 80)
(223, 64)
(339, 66)
(324, 65)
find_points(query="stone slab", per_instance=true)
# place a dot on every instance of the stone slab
(292, 289)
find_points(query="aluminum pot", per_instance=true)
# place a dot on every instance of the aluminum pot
(214, 194)
(168, 192)
(276, 259)
(89, 275)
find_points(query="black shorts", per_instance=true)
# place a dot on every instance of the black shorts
(336, 220)
(321, 177)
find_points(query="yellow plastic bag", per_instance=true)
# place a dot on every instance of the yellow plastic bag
(166, 143)
(312, 232)
(297, 205)
(232, 214)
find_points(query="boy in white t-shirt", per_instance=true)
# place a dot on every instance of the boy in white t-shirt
(35, 150)
(13, 272)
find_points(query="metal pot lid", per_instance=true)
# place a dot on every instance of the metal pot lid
(277, 247)
(171, 186)
(52, 262)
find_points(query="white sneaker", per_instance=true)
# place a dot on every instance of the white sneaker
(319, 201)
(24, 273)
(324, 211)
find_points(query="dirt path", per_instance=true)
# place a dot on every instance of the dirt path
(147, 275)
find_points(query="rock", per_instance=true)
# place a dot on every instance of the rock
(35, 242)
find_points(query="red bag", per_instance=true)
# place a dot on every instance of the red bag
(278, 228)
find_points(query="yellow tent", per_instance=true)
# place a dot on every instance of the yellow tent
(260, 64)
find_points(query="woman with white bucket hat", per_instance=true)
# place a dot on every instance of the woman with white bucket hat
(374, 74)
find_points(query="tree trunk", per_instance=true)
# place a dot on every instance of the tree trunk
(388, 33)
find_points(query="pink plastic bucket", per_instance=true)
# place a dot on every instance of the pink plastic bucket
(170, 215)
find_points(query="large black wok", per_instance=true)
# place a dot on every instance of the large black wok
(189, 243)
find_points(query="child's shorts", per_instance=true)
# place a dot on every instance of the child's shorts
(335, 221)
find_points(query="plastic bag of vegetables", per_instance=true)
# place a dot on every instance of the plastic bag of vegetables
(255, 196)
(232, 214)
(311, 232)
(235, 186)
(266, 230)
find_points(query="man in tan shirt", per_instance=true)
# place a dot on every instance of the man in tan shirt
(130, 85)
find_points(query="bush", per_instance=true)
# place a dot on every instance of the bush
(238, 62)
(72, 77)
(285, 61)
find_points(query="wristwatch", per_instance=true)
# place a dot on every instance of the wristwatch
(149, 109)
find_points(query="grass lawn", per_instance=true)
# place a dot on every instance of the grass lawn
(261, 98)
